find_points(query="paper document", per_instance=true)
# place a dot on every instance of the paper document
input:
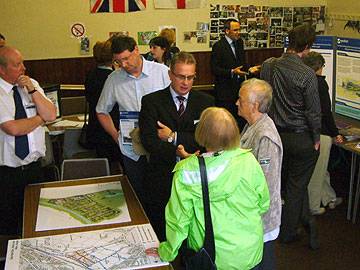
(80, 206)
(128, 121)
(119, 248)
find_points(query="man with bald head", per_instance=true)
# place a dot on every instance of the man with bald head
(24, 109)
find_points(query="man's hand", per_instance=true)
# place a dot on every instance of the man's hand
(163, 131)
(255, 69)
(317, 145)
(181, 152)
(238, 71)
(25, 82)
(339, 139)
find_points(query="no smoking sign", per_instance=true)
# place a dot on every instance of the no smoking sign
(77, 30)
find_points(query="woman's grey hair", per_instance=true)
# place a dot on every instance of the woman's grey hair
(259, 91)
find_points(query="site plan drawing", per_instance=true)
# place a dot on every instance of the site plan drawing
(82, 205)
(118, 248)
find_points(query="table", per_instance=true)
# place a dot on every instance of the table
(355, 153)
(56, 128)
(352, 146)
(32, 194)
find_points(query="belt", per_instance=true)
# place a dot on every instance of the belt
(291, 130)
(23, 167)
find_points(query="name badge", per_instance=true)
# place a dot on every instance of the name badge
(30, 106)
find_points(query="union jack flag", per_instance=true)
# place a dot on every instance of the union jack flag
(97, 6)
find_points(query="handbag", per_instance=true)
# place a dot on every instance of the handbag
(204, 259)
(83, 139)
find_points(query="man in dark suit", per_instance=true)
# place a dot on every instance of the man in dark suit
(227, 61)
(168, 119)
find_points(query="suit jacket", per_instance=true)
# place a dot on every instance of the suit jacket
(160, 106)
(222, 61)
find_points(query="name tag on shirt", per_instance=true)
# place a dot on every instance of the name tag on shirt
(30, 106)
(265, 164)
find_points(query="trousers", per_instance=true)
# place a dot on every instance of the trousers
(299, 160)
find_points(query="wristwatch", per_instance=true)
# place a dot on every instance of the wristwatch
(171, 136)
(32, 91)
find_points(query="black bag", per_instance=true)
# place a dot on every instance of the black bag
(204, 259)
(83, 139)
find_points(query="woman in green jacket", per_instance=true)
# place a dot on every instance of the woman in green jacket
(238, 197)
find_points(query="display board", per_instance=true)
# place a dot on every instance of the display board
(325, 45)
(347, 77)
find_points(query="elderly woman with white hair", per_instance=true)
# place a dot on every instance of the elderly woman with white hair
(261, 136)
(238, 197)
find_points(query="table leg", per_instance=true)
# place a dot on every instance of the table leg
(352, 176)
(357, 194)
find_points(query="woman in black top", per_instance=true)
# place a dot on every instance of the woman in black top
(94, 83)
(320, 190)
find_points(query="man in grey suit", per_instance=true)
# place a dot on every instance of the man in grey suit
(168, 119)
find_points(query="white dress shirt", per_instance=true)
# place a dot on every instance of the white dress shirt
(7, 112)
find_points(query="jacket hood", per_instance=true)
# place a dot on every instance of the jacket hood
(222, 172)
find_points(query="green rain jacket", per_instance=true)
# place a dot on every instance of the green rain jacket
(238, 197)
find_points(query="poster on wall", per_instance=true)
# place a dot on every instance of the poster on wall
(325, 45)
(347, 77)
(145, 37)
(263, 26)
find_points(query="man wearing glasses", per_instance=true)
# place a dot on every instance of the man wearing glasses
(168, 119)
(126, 87)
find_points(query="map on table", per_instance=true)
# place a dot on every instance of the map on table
(81, 205)
(118, 248)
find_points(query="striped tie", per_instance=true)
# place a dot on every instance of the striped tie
(181, 106)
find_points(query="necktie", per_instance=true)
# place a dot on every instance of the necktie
(233, 47)
(21, 142)
(181, 106)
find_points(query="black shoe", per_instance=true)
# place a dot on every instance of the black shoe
(289, 240)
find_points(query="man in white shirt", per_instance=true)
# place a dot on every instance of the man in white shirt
(126, 87)
(24, 109)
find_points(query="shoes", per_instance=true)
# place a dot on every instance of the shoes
(335, 202)
(289, 240)
(318, 212)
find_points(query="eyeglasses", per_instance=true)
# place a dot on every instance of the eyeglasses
(183, 77)
(124, 59)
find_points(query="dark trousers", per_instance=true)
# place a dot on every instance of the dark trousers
(299, 161)
(158, 185)
(12, 185)
(268, 261)
(135, 171)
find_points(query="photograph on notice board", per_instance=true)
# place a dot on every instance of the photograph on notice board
(145, 37)
(259, 21)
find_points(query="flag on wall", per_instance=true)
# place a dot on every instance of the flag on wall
(97, 6)
(179, 4)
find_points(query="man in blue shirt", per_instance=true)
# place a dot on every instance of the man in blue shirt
(126, 87)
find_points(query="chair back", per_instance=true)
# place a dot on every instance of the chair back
(84, 168)
(71, 146)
